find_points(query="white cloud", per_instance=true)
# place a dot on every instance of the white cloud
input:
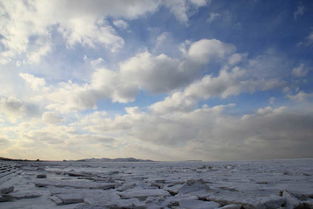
(161, 39)
(213, 16)
(89, 32)
(181, 8)
(236, 58)
(44, 137)
(110, 84)
(162, 74)
(212, 133)
(208, 131)
(52, 117)
(301, 96)
(14, 108)
(35, 83)
(308, 41)
(257, 74)
(120, 24)
(300, 71)
(200, 2)
(37, 50)
(204, 51)
(79, 21)
(144, 71)
(155, 73)
(227, 83)
(178, 8)
(204, 69)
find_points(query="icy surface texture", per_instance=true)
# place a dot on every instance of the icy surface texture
(96, 184)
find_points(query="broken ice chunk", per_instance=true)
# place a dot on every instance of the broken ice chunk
(197, 204)
(75, 184)
(6, 190)
(64, 199)
(143, 193)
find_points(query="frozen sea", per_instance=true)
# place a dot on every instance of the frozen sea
(192, 184)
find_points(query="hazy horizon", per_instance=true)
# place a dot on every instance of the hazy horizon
(164, 80)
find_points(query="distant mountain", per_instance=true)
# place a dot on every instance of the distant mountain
(130, 159)
(10, 159)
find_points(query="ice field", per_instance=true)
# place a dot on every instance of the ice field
(192, 184)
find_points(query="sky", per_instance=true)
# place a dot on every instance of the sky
(156, 79)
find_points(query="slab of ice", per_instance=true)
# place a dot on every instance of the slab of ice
(231, 206)
(104, 197)
(64, 199)
(74, 184)
(21, 195)
(110, 199)
(6, 190)
(291, 201)
(126, 186)
(194, 187)
(87, 206)
(252, 199)
(197, 204)
(143, 193)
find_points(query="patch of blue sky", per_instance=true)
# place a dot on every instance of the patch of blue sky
(142, 101)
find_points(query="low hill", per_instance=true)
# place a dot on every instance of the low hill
(130, 159)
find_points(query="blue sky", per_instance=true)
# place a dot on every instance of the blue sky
(164, 80)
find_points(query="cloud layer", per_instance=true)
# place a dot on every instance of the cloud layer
(153, 79)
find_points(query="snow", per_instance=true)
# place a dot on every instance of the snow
(143, 193)
(93, 184)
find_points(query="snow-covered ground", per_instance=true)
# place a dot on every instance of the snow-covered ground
(97, 185)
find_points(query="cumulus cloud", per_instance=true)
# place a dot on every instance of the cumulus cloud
(84, 24)
(163, 74)
(229, 82)
(204, 51)
(15, 108)
(255, 74)
(155, 73)
(29, 25)
(109, 84)
(143, 71)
